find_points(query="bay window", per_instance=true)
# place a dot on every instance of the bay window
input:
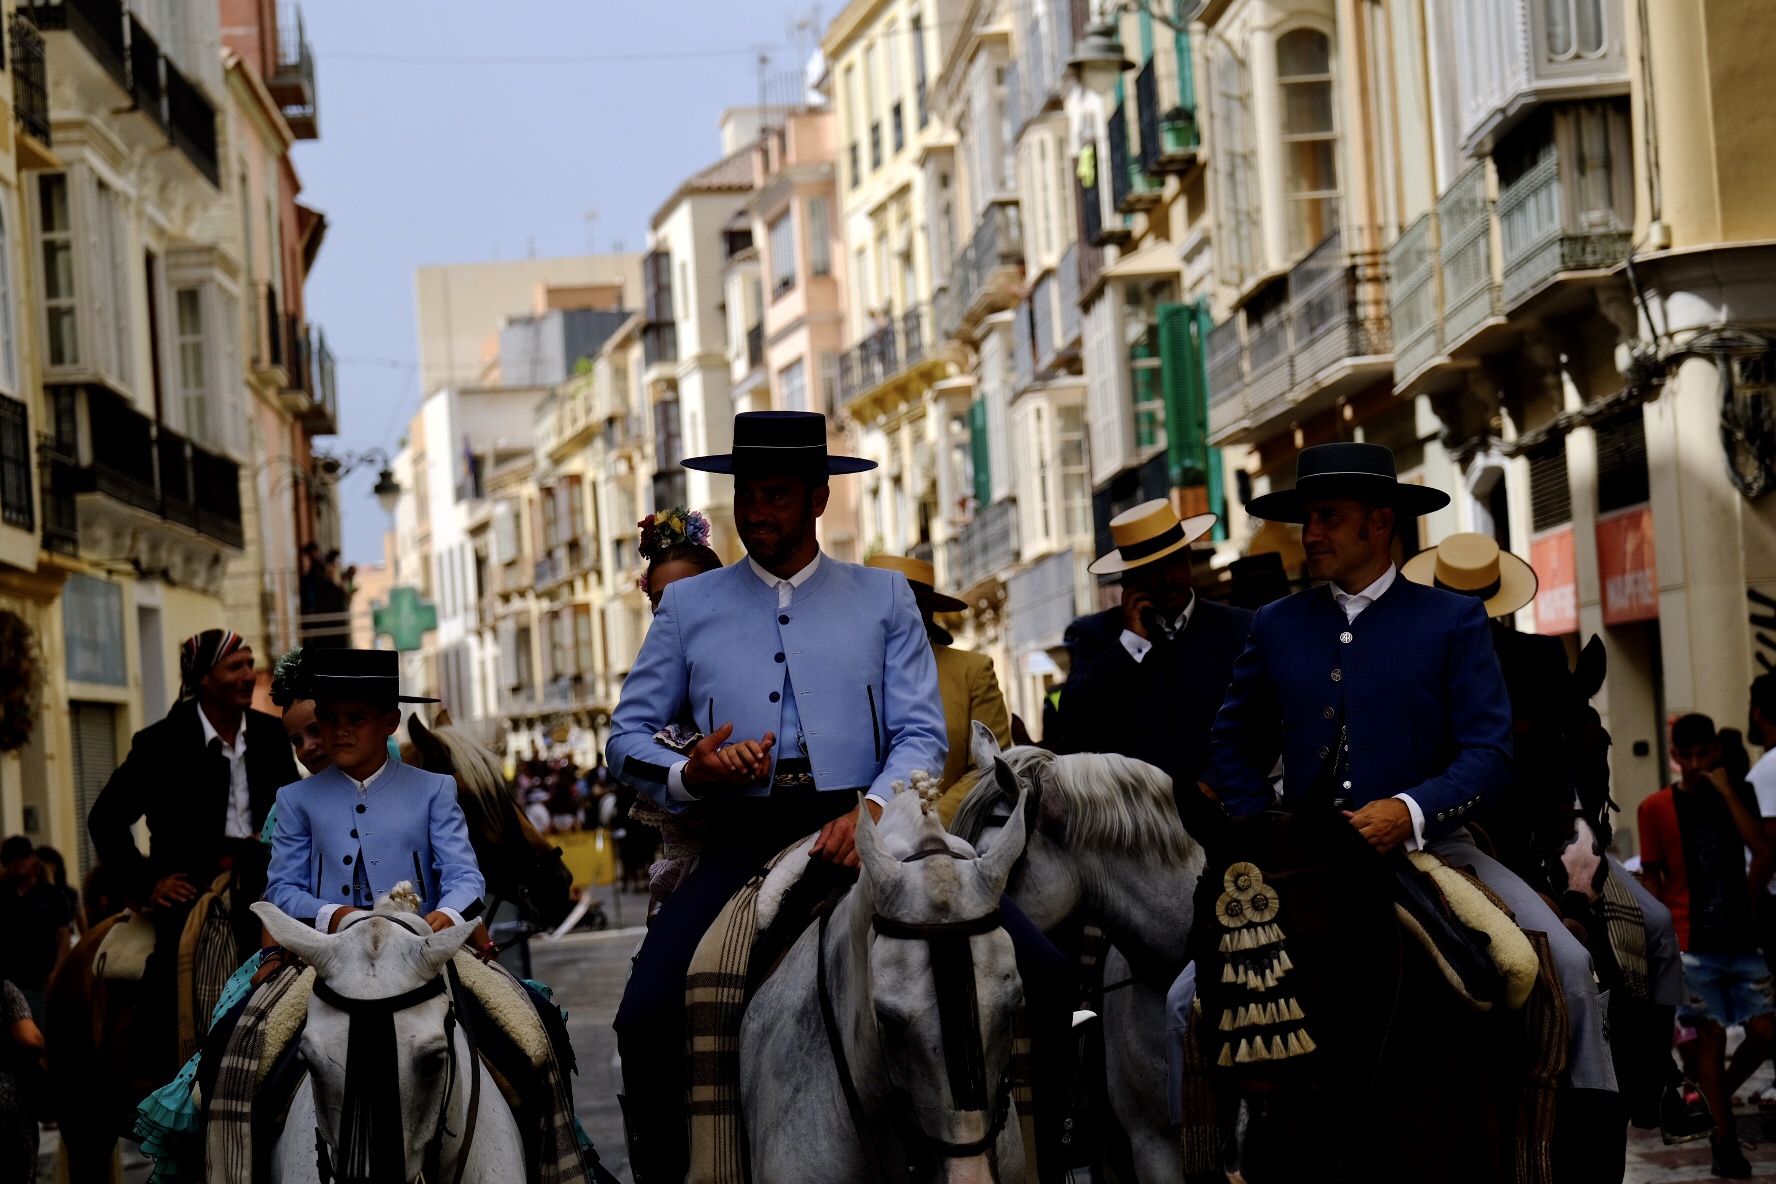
(1310, 138)
(783, 258)
(1235, 174)
(84, 253)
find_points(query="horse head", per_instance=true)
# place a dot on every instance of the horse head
(521, 866)
(379, 1041)
(942, 982)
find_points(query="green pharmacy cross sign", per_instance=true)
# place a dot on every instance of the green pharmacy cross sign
(406, 618)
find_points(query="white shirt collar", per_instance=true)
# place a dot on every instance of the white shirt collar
(795, 581)
(1368, 596)
(211, 735)
(367, 782)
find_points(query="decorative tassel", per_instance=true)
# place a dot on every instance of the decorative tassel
(1270, 1013)
(1307, 1042)
(1225, 1060)
(1277, 1051)
(1283, 960)
(1295, 1009)
(1259, 1052)
(1226, 1024)
(1226, 943)
(1294, 1046)
(1227, 972)
(1244, 1055)
(1270, 981)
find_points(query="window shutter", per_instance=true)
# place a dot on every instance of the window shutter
(977, 435)
(505, 533)
(1550, 491)
(1621, 464)
(1186, 409)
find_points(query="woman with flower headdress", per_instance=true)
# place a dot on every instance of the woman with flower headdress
(675, 544)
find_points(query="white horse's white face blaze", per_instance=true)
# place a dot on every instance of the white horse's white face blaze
(375, 956)
(903, 984)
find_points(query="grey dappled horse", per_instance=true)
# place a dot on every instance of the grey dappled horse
(1103, 841)
(880, 1049)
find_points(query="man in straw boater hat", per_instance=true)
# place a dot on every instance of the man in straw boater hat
(1392, 709)
(1148, 676)
(965, 678)
(1548, 724)
(812, 680)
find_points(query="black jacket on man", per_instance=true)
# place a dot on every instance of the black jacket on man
(181, 787)
(1161, 709)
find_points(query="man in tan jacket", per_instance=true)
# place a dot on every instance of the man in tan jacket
(966, 680)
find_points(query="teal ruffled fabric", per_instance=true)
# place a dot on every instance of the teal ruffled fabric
(167, 1119)
(270, 827)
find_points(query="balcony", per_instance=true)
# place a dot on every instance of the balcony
(103, 446)
(1042, 75)
(1169, 139)
(315, 377)
(147, 91)
(96, 24)
(17, 504)
(659, 344)
(1415, 299)
(894, 347)
(1542, 236)
(987, 274)
(1093, 230)
(755, 346)
(292, 82)
(1518, 56)
(1472, 297)
(986, 549)
(193, 122)
(1316, 337)
(30, 80)
(1131, 189)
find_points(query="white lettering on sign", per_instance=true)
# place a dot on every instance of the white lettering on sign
(1631, 591)
(1558, 605)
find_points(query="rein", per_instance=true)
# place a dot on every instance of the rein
(964, 1046)
(370, 1054)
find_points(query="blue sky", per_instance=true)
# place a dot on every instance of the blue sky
(423, 157)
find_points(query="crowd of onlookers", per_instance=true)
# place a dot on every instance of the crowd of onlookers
(558, 797)
(40, 918)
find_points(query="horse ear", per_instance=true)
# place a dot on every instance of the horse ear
(1593, 667)
(983, 746)
(425, 742)
(442, 946)
(1050, 807)
(878, 865)
(1008, 847)
(305, 941)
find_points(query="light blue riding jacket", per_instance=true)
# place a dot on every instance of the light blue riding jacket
(850, 647)
(406, 826)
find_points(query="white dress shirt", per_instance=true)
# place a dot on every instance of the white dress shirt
(239, 824)
(1353, 604)
(786, 588)
(324, 917)
(1139, 647)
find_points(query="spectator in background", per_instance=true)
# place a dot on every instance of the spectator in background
(1693, 836)
(1760, 729)
(56, 870)
(35, 919)
(21, 1091)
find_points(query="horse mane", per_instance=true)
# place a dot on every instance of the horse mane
(477, 768)
(1113, 803)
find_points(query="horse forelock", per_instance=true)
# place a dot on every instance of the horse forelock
(476, 768)
(983, 794)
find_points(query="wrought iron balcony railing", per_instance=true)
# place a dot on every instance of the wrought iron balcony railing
(1537, 234)
(659, 343)
(292, 83)
(998, 243)
(1471, 289)
(986, 547)
(30, 78)
(17, 503)
(1415, 297)
(891, 347)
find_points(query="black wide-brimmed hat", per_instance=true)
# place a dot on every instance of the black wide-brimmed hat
(370, 676)
(791, 442)
(1363, 471)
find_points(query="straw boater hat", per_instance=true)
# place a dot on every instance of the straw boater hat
(779, 442)
(1147, 534)
(1475, 565)
(1346, 470)
(923, 577)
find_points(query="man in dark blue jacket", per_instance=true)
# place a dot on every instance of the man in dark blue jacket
(1384, 699)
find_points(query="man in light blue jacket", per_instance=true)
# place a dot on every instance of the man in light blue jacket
(810, 680)
(346, 836)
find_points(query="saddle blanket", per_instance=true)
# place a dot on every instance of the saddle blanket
(123, 951)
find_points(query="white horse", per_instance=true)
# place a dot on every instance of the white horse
(1103, 841)
(392, 1088)
(880, 1049)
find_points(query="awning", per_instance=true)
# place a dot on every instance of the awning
(1158, 258)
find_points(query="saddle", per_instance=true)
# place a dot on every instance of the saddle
(124, 949)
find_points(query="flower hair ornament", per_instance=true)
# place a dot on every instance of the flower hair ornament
(668, 528)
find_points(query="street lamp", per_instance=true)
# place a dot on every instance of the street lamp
(1100, 59)
(388, 490)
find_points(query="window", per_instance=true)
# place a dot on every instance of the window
(783, 262)
(58, 269)
(8, 346)
(853, 152)
(792, 386)
(829, 385)
(112, 266)
(1236, 178)
(916, 30)
(1146, 368)
(582, 631)
(819, 237)
(684, 291)
(188, 354)
(1075, 471)
(1575, 28)
(1310, 138)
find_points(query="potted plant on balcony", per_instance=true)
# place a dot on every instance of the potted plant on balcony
(1177, 131)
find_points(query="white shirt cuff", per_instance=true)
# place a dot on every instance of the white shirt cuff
(675, 784)
(456, 918)
(324, 918)
(881, 799)
(1417, 841)
(1136, 645)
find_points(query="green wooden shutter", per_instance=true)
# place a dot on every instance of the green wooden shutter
(977, 432)
(1187, 428)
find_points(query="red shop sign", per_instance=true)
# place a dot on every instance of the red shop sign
(1626, 567)
(1557, 583)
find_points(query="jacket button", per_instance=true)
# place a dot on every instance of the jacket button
(1345, 637)
(1324, 752)
(1338, 676)
(360, 808)
(345, 889)
(354, 834)
(1328, 713)
(348, 860)
(783, 618)
(780, 657)
(775, 696)
(1347, 785)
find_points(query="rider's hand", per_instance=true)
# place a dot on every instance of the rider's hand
(339, 916)
(715, 762)
(1384, 824)
(439, 920)
(837, 841)
(1136, 604)
(171, 890)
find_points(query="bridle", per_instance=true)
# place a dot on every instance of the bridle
(381, 1013)
(964, 1045)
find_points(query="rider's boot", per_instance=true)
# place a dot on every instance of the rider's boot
(1684, 1115)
